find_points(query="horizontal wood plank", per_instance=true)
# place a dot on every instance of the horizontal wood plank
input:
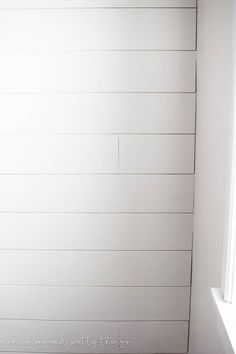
(98, 29)
(96, 231)
(156, 154)
(95, 268)
(100, 304)
(129, 337)
(24, 4)
(97, 113)
(96, 154)
(58, 154)
(71, 71)
(100, 193)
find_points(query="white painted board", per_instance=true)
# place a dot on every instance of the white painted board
(97, 113)
(95, 268)
(98, 29)
(58, 154)
(96, 193)
(156, 153)
(104, 71)
(73, 231)
(27, 4)
(94, 304)
(93, 337)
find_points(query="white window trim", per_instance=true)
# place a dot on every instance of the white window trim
(229, 276)
(226, 322)
(228, 284)
(225, 298)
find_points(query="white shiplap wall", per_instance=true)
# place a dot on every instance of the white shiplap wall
(97, 124)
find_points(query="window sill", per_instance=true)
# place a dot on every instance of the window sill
(226, 316)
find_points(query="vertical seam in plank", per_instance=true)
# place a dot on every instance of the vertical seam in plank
(118, 153)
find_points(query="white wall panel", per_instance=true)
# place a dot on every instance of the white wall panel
(101, 193)
(157, 153)
(97, 268)
(106, 304)
(46, 336)
(124, 29)
(96, 231)
(97, 113)
(130, 71)
(24, 4)
(58, 154)
(97, 107)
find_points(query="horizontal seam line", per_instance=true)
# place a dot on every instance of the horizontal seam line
(94, 286)
(98, 7)
(92, 134)
(66, 320)
(98, 212)
(97, 174)
(93, 250)
(8, 51)
(95, 92)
